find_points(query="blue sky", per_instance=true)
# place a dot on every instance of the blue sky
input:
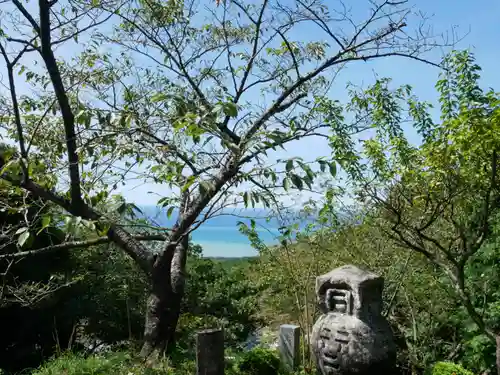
(481, 17)
(479, 20)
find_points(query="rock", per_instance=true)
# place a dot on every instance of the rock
(352, 337)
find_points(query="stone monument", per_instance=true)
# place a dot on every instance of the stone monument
(210, 352)
(289, 346)
(352, 337)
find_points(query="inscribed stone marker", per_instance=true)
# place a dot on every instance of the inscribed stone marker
(289, 342)
(210, 352)
(352, 336)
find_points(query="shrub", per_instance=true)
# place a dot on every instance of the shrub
(449, 368)
(259, 361)
(109, 364)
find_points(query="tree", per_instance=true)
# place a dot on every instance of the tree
(159, 107)
(440, 199)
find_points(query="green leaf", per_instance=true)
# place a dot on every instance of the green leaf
(297, 181)
(170, 211)
(23, 238)
(265, 201)
(333, 168)
(158, 97)
(286, 184)
(45, 223)
(289, 165)
(6, 167)
(309, 172)
(190, 181)
(230, 109)
(103, 230)
(245, 198)
(322, 165)
(163, 201)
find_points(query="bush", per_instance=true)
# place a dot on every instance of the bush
(259, 361)
(109, 364)
(449, 368)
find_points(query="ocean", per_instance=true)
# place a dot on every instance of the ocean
(220, 236)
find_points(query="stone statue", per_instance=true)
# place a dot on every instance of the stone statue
(352, 336)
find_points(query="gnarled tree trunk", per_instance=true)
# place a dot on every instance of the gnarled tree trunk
(164, 301)
(169, 269)
(178, 282)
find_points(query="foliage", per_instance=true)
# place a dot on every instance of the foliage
(119, 363)
(113, 292)
(449, 368)
(216, 297)
(428, 218)
(478, 350)
(255, 362)
(112, 296)
(440, 199)
(259, 361)
(33, 291)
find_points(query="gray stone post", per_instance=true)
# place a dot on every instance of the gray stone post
(210, 352)
(289, 346)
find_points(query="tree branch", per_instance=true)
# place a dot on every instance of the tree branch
(339, 58)
(116, 234)
(77, 244)
(171, 148)
(62, 98)
(249, 66)
(308, 133)
(224, 129)
(27, 15)
(17, 115)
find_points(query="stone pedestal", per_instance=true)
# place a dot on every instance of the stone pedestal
(289, 346)
(210, 352)
(352, 337)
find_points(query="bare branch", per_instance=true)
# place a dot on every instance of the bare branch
(77, 245)
(62, 98)
(258, 24)
(339, 58)
(27, 15)
(17, 115)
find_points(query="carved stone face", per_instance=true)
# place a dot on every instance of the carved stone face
(330, 346)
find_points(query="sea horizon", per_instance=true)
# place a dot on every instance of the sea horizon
(220, 237)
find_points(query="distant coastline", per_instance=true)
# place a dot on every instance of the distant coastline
(220, 237)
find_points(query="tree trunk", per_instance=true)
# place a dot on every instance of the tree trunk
(178, 282)
(164, 302)
(157, 311)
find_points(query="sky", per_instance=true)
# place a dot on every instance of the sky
(479, 20)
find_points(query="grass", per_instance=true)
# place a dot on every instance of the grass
(258, 361)
(119, 363)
